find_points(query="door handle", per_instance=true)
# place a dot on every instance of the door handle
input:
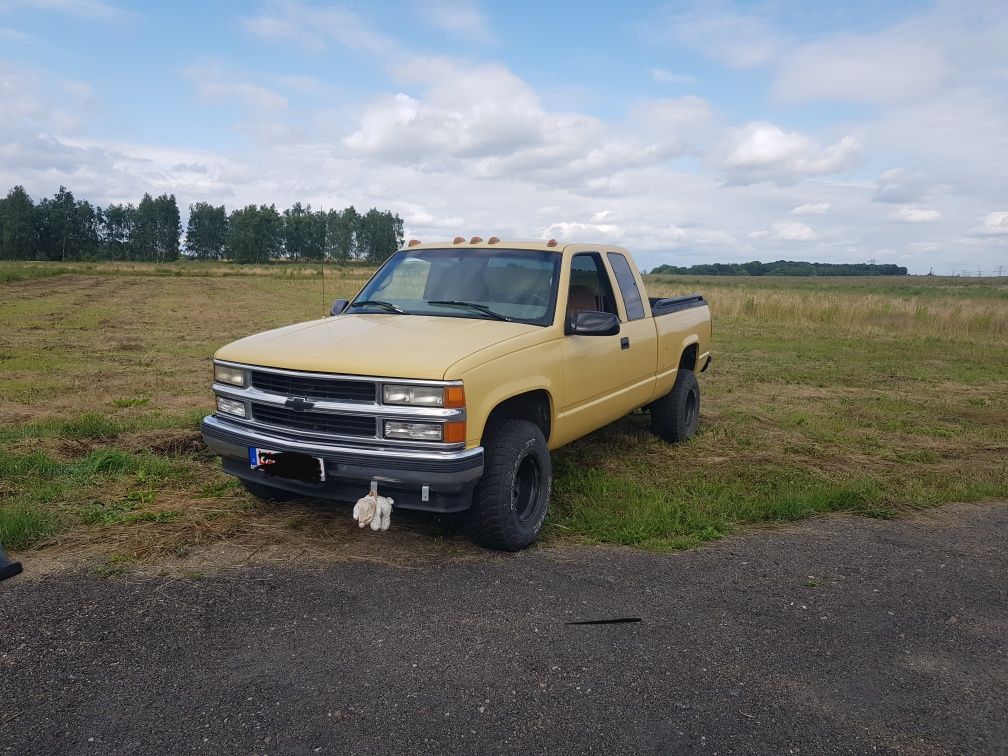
(624, 343)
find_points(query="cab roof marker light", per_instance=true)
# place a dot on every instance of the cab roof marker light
(458, 240)
(476, 240)
(413, 242)
(551, 243)
(493, 240)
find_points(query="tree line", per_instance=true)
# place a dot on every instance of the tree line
(782, 268)
(64, 228)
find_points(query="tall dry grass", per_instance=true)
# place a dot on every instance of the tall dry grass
(862, 312)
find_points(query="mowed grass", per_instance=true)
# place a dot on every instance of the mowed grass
(865, 395)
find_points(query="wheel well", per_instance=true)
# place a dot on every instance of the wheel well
(533, 406)
(689, 357)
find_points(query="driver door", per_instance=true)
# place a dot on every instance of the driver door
(594, 366)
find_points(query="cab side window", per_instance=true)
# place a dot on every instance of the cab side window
(628, 286)
(590, 289)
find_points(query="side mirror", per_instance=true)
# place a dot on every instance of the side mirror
(590, 323)
(338, 306)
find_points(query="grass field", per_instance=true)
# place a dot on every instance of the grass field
(870, 395)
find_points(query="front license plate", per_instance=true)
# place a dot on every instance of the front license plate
(289, 465)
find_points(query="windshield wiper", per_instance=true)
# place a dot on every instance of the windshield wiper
(387, 306)
(474, 305)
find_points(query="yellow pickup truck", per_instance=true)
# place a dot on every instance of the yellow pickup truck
(451, 375)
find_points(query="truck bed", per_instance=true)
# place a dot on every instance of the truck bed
(665, 305)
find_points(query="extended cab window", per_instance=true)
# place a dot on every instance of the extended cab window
(628, 286)
(494, 284)
(590, 289)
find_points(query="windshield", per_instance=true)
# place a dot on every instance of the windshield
(497, 284)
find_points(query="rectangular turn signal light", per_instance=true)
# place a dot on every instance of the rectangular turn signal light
(454, 396)
(454, 433)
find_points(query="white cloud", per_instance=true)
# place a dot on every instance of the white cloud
(315, 27)
(814, 208)
(463, 111)
(898, 185)
(764, 152)
(671, 127)
(708, 237)
(483, 121)
(914, 215)
(461, 17)
(994, 223)
(216, 85)
(791, 231)
(575, 231)
(419, 217)
(678, 116)
(716, 30)
(946, 45)
(663, 76)
(871, 70)
(17, 93)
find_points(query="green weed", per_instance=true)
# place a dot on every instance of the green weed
(24, 524)
(134, 402)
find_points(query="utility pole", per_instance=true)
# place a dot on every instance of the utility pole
(1000, 270)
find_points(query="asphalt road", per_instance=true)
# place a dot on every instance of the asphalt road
(834, 635)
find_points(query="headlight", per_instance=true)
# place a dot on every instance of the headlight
(413, 431)
(230, 407)
(449, 433)
(424, 396)
(418, 396)
(229, 375)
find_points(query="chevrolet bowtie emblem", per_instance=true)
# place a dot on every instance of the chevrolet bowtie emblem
(299, 404)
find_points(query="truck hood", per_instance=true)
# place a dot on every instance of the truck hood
(396, 346)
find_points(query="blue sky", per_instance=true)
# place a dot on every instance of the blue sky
(689, 132)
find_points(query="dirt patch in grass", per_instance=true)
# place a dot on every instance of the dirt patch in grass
(167, 443)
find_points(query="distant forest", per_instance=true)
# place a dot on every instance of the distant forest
(64, 228)
(782, 268)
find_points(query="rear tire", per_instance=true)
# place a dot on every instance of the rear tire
(675, 416)
(512, 498)
(267, 493)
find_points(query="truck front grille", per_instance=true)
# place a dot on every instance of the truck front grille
(313, 388)
(317, 422)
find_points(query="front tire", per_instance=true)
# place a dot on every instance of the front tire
(675, 416)
(511, 499)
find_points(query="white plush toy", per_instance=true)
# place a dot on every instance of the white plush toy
(373, 509)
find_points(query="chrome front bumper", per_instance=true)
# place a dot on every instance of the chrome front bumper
(447, 476)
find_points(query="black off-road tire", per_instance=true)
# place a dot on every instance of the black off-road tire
(675, 416)
(511, 499)
(267, 493)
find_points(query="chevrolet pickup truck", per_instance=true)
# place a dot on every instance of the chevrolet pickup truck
(451, 375)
